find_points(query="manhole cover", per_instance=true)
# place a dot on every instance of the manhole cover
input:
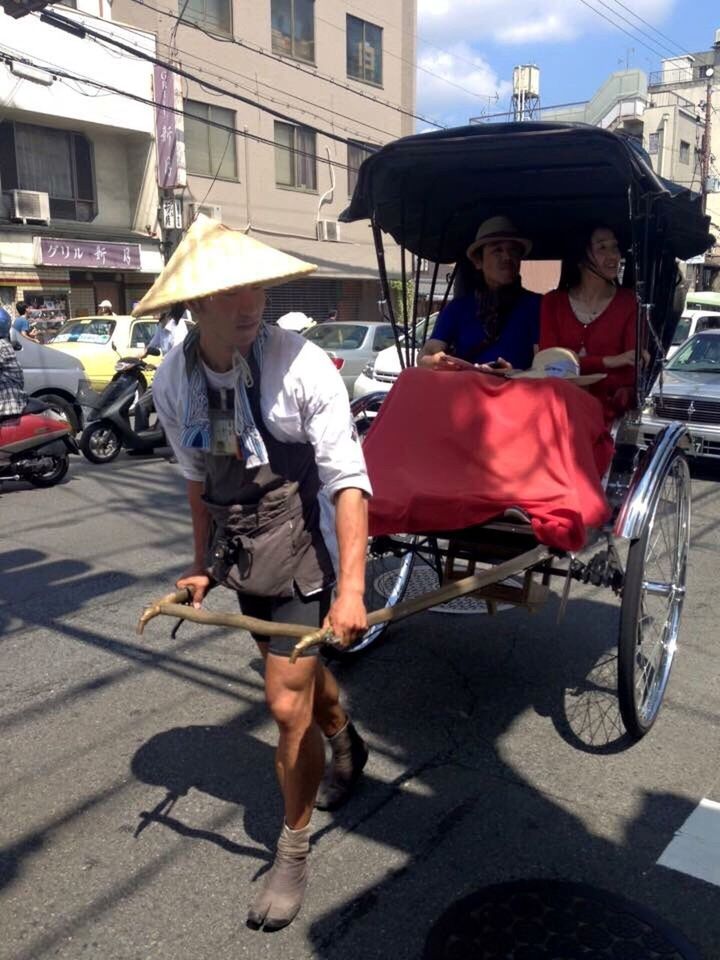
(423, 579)
(552, 920)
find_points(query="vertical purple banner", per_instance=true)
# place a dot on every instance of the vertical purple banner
(166, 128)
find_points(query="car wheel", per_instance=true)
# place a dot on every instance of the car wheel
(62, 406)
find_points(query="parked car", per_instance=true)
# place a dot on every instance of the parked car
(691, 393)
(381, 371)
(692, 322)
(99, 342)
(57, 378)
(351, 346)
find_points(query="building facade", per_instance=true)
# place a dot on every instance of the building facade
(78, 194)
(696, 80)
(346, 69)
(666, 112)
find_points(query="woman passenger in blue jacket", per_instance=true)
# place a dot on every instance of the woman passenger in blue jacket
(498, 325)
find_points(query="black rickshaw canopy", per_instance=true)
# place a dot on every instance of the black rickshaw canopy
(432, 190)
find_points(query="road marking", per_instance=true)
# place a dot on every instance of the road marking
(695, 848)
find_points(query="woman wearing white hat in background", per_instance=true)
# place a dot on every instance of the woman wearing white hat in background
(259, 421)
(499, 323)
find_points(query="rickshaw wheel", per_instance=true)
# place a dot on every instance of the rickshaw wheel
(653, 595)
(387, 575)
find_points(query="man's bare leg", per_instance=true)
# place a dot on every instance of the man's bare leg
(299, 762)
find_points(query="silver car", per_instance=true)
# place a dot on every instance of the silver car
(690, 393)
(351, 346)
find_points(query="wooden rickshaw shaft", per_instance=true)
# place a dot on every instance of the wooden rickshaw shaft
(176, 605)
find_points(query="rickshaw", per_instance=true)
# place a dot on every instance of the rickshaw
(428, 193)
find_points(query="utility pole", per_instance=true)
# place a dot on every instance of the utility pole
(705, 158)
(706, 153)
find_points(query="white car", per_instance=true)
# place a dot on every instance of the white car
(383, 370)
(53, 377)
(692, 322)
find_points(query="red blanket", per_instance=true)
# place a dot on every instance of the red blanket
(450, 450)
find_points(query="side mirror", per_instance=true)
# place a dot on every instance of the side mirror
(16, 346)
(154, 352)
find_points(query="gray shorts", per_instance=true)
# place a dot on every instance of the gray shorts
(298, 609)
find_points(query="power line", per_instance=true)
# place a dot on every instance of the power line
(664, 36)
(416, 65)
(234, 73)
(12, 56)
(633, 36)
(643, 33)
(174, 50)
(62, 23)
(295, 66)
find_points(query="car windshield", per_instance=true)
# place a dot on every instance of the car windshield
(681, 331)
(98, 330)
(337, 336)
(420, 327)
(701, 354)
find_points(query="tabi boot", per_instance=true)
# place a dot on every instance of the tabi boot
(283, 886)
(349, 756)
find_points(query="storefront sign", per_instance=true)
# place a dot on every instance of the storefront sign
(90, 254)
(169, 132)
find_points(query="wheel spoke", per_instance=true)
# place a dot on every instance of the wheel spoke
(659, 597)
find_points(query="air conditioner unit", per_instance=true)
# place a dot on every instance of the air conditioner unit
(211, 210)
(328, 230)
(29, 205)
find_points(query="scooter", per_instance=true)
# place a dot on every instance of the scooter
(108, 425)
(35, 446)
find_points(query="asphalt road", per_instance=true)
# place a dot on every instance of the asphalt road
(497, 752)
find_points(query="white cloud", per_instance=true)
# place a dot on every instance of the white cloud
(479, 22)
(457, 37)
(455, 84)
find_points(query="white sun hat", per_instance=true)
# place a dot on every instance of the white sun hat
(212, 258)
(556, 362)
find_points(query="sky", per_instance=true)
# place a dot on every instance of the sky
(467, 48)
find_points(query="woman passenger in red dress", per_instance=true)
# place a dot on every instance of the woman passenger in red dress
(596, 318)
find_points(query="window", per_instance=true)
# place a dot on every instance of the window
(293, 28)
(55, 162)
(684, 152)
(338, 336)
(97, 330)
(142, 333)
(653, 143)
(214, 15)
(295, 157)
(364, 51)
(357, 152)
(384, 337)
(209, 150)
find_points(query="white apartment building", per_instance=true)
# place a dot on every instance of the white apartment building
(78, 194)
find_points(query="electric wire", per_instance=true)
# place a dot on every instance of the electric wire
(185, 54)
(637, 38)
(62, 23)
(297, 66)
(652, 27)
(13, 56)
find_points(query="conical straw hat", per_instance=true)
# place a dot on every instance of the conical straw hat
(212, 258)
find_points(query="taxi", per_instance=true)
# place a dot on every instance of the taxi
(99, 342)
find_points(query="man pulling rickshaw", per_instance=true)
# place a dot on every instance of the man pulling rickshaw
(259, 421)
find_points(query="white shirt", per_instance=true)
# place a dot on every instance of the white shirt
(169, 336)
(302, 400)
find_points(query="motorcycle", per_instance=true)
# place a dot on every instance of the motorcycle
(108, 424)
(35, 446)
